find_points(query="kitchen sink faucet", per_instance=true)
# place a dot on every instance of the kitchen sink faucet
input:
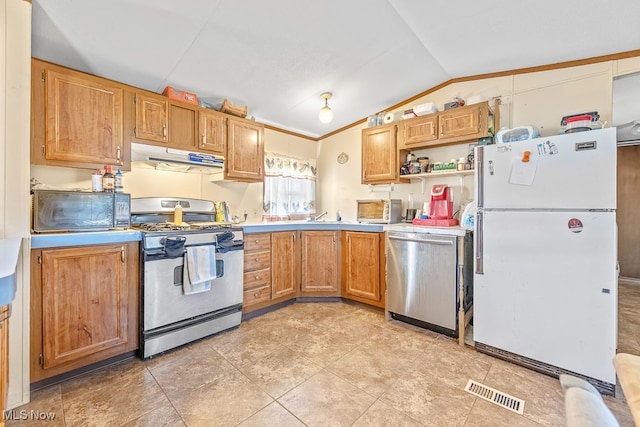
(320, 216)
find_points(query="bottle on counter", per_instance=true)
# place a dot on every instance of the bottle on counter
(96, 180)
(108, 180)
(177, 214)
(118, 182)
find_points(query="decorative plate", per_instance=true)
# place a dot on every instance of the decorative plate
(343, 158)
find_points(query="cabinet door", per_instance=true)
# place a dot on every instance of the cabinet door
(245, 151)
(183, 125)
(420, 130)
(379, 156)
(212, 132)
(83, 119)
(361, 265)
(88, 300)
(152, 118)
(319, 261)
(459, 122)
(284, 264)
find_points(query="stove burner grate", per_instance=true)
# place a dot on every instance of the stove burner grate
(163, 226)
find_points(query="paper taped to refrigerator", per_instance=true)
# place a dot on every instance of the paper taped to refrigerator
(523, 173)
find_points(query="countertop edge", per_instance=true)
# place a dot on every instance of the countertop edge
(40, 241)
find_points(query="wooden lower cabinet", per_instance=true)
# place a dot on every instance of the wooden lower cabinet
(271, 268)
(363, 267)
(284, 264)
(314, 263)
(319, 262)
(84, 306)
(257, 269)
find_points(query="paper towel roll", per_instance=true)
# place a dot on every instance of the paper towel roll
(388, 118)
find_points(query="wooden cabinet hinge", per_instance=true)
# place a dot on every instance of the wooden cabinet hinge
(41, 360)
(134, 99)
(40, 259)
(44, 150)
(43, 76)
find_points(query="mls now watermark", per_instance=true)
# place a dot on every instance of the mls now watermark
(24, 415)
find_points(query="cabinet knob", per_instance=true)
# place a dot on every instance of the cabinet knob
(257, 277)
(257, 259)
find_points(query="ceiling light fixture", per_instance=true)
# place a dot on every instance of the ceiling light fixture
(325, 115)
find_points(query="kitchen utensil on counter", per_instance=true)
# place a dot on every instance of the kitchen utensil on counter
(222, 211)
(411, 214)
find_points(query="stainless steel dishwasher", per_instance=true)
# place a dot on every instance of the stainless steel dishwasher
(423, 278)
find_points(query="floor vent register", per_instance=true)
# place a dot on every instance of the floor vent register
(494, 396)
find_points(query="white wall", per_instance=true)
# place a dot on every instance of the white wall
(15, 71)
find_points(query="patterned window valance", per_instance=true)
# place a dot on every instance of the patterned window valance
(282, 165)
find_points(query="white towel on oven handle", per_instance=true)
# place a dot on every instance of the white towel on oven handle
(199, 269)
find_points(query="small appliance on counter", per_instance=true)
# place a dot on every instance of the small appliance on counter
(68, 210)
(379, 211)
(440, 208)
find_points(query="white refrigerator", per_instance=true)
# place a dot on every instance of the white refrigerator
(545, 273)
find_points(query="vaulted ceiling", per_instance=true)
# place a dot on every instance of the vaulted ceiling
(278, 56)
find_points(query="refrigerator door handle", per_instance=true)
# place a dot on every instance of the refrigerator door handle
(479, 243)
(480, 176)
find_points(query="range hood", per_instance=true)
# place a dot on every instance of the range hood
(171, 159)
(629, 133)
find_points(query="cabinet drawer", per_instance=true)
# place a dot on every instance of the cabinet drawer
(257, 242)
(254, 296)
(257, 278)
(257, 260)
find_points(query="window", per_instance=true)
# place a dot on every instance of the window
(289, 187)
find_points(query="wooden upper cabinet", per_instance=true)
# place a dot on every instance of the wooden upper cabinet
(151, 117)
(458, 125)
(419, 130)
(244, 156)
(379, 154)
(319, 262)
(285, 255)
(213, 132)
(183, 125)
(77, 119)
(462, 122)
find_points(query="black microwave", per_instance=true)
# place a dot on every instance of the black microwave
(62, 210)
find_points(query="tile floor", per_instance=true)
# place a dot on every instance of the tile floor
(314, 364)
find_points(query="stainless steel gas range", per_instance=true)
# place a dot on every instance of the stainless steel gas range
(169, 315)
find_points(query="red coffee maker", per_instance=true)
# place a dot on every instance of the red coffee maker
(440, 208)
(441, 205)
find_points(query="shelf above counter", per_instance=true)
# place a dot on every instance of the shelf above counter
(423, 177)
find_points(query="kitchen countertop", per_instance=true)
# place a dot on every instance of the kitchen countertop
(10, 250)
(52, 240)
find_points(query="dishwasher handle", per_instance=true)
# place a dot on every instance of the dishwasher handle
(409, 239)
